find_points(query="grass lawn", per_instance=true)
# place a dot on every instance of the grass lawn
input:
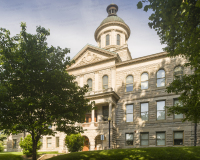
(18, 155)
(163, 153)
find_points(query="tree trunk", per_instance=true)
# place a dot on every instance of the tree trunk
(195, 134)
(34, 150)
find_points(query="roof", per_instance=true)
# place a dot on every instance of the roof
(112, 19)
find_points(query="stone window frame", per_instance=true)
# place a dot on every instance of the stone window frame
(14, 144)
(129, 113)
(108, 39)
(157, 110)
(177, 114)
(57, 138)
(148, 110)
(157, 139)
(141, 139)
(144, 81)
(102, 81)
(180, 73)
(89, 86)
(129, 83)
(126, 140)
(183, 137)
(118, 40)
(47, 141)
(160, 78)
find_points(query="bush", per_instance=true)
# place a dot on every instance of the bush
(74, 142)
(1, 146)
(27, 145)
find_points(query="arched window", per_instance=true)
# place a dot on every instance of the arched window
(107, 39)
(76, 84)
(89, 82)
(178, 72)
(118, 39)
(129, 83)
(161, 78)
(144, 80)
(105, 82)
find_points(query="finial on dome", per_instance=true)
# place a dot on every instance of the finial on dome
(112, 9)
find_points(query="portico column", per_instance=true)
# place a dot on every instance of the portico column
(93, 115)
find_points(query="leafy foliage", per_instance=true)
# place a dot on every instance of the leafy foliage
(178, 25)
(74, 142)
(27, 145)
(35, 89)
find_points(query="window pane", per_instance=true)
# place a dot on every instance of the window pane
(129, 87)
(160, 115)
(144, 142)
(105, 80)
(144, 136)
(144, 77)
(107, 39)
(161, 82)
(178, 135)
(144, 85)
(129, 79)
(178, 142)
(118, 39)
(129, 118)
(105, 86)
(144, 116)
(144, 107)
(178, 69)
(89, 82)
(129, 108)
(161, 74)
(161, 105)
(160, 142)
(129, 136)
(160, 135)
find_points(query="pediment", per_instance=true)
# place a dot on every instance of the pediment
(90, 54)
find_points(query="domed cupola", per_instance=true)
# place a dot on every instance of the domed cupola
(113, 32)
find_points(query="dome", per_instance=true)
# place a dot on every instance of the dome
(112, 19)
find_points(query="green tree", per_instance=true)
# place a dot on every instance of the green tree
(74, 142)
(35, 89)
(177, 23)
(27, 145)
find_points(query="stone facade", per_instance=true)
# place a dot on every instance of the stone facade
(127, 128)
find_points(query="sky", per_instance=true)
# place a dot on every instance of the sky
(72, 23)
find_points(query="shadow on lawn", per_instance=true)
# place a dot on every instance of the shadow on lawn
(164, 153)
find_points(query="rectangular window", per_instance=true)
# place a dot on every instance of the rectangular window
(178, 138)
(160, 110)
(49, 142)
(129, 113)
(14, 143)
(105, 113)
(177, 116)
(57, 142)
(160, 138)
(144, 111)
(129, 139)
(87, 118)
(144, 139)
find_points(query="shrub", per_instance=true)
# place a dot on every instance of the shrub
(74, 142)
(1, 146)
(27, 145)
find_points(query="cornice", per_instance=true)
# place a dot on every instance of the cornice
(123, 25)
(142, 59)
(94, 48)
(93, 63)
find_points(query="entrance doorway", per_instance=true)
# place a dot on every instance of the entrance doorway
(86, 146)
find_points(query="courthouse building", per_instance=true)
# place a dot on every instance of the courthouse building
(131, 93)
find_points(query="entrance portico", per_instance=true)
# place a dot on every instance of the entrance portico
(105, 104)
